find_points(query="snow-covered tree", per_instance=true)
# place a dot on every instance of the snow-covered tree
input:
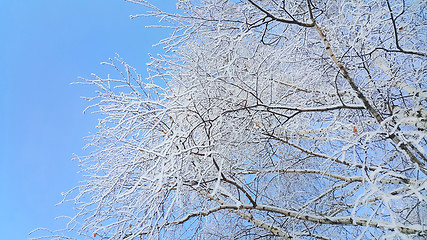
(297, 119)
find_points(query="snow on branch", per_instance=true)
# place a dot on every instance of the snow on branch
(296, 119)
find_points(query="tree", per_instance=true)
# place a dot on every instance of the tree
(300, 119)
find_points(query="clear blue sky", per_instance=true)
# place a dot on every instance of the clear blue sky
(44, 46)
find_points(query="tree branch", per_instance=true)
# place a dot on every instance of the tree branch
(302, 24)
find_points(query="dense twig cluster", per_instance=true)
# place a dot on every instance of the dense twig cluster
(297, 119)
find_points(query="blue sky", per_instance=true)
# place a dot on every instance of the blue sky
(44, 46)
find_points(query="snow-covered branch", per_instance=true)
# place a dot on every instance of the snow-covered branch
(265, 119)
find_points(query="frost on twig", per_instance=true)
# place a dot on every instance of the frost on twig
(265, 119)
